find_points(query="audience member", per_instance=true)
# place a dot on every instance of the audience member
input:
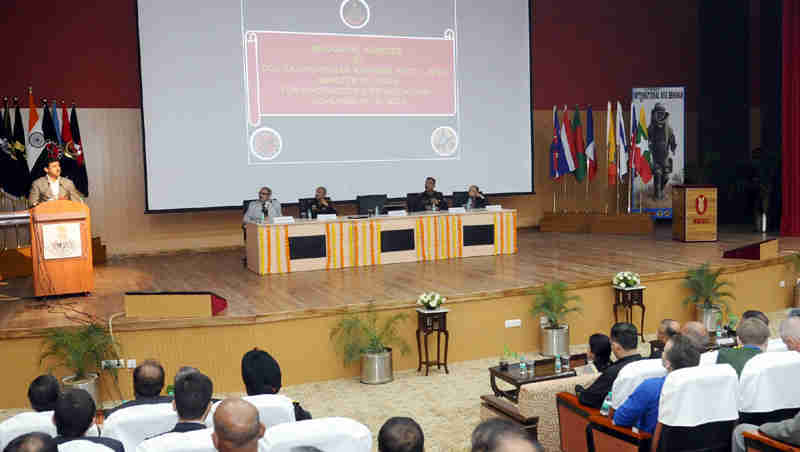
(74, 414)
(148, 381)
(599, 351)
(192, 401)
(236, 426)
(794, 312)
(401, 434)
(753, 335)
(753, 314)
(32, 442)
(641, 408)
(666, 329)
(624, 340)
(787, 431)
(698, 335)
(790, 333)
(183, 371)
(43, 393)
(501, 435)
(262, 375)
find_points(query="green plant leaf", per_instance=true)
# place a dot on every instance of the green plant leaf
(356, 334)
(553, 302)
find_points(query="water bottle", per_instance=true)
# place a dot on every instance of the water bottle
(606, 407)
(566, 364)
(558, 363)
(377, 211)
(308, 214)
(523, 368)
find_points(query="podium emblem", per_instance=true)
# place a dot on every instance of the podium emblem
(701, 204)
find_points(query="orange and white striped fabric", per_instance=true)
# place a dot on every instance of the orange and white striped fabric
(505, 232)
(439, 237)
(273, 249)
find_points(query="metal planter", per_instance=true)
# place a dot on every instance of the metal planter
(555, 341)
(89, 384)
(376, 368)
(709, 317)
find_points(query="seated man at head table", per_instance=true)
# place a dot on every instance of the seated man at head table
(321, 205)
(52, 186)
(431, 199)
(265, 207)
(475, 199)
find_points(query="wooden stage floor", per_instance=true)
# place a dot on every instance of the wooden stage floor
(575, 258)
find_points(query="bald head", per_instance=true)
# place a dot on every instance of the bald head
(236, 426)
(697, 333)
(148, 379)
(790, 333)
(32, 442)
(667, 328)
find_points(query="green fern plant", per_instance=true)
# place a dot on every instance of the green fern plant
(81, 350)
(706, 287)
(554, 303)
(357, 334)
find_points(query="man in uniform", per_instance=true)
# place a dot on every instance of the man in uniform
(662, 142)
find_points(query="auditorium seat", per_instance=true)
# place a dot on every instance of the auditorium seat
(631, 376)
(135, 424)
(194, 441)
(573, 417)
(776, 345)
(764, 388)
(758, 442)
(30, 422)
(708, 358)
(272, 409)
(330, 434)
(697, 411)
(83, 446)
(460, 199)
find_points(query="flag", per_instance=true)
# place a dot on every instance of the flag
(577, 132)
(22, 174)
(76, 136)
(56, 125)
(641, 137)
(622, 146)
(643, 169)
(566, 145)
(7, 160)
(591, 160)
(35, 142)
(72, 166)
(559, 165)
(50, 149)
(611, 147)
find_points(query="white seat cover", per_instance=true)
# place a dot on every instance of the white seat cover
(776, 345)
(332, 434)
(83, 446)
(631, 376)
(194, 441)
(135, 424)
(272, 409)
(769, 381)
(699, 395)
(709, 358)
(30, 422)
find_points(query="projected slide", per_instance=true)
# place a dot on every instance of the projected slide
(313, 74)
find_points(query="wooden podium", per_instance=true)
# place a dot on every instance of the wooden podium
(694, 213)
(61, 248)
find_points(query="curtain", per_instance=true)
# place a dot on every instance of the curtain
(790, 114)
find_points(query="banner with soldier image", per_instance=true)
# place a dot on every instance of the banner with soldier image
(659, 116)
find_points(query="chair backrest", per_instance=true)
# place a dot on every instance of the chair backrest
(245, 204)
(272, 409)
(412, 202)
(764, 393)
(134, 424)
(708, 358)
(30, 422)
(631, 376)
(460, 198)
(368, 203)
(83, 446)
(194, 441)
(776, 345)
(331, 434)
(697, 409)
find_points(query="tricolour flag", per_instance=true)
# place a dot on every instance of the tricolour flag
(611, 147)
(35, 141)
(566, 142)
(622, 145)
(50, 143)
(577, 132)
(558, 159)
(591, 159)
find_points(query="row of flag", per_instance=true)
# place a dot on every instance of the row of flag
(45, 136)
(571, 153)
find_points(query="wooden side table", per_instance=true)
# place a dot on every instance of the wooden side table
(429, 322)
(626, 298)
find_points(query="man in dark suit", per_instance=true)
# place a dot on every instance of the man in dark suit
(52, 186)
(431, 199)
(624, 340)
(753, 336)
(666, 329)
(74, 414)
(320, 204)
(262, 375)
(475, 199)
(148, 381)
(192, 402)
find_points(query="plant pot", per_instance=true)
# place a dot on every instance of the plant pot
(88, 384)
(376, 368)
(709, 317)
(555, 341)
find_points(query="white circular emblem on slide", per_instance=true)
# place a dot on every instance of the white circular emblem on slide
(444, 141)
(354, 13)
(266, 143)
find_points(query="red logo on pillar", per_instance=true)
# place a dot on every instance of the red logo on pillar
(701, 204)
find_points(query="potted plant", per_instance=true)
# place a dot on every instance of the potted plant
(82, 351)
(361, 337)
(554, 303)
(431, 300)
(707, 294)
(794, 260)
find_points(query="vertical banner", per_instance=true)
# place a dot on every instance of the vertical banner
(658, 148)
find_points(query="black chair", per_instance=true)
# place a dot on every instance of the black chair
(245, 203)
(460, 198)
(368, 203)
(412, 202)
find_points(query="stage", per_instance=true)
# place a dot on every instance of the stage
(583, 260)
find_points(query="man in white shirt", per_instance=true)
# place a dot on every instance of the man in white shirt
(52, 186)
(265, 207)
